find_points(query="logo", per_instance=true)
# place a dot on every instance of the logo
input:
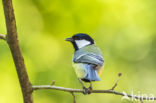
(139, 97)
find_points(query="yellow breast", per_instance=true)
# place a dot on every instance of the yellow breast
(80, 70)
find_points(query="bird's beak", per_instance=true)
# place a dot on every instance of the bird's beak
(69, 39)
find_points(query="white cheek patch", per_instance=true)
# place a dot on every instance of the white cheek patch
(82, 43)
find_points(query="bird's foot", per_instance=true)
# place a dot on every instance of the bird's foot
(90, 89)
(85, 90)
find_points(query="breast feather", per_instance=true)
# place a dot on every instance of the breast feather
(80, 69)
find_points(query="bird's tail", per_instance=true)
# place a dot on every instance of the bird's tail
(91, 74)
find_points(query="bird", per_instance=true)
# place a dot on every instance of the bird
(88, 60)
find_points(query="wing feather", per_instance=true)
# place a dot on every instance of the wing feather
(90, 59)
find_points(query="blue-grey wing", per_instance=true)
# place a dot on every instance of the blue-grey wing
(90, 59)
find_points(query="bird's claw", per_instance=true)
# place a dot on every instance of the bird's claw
(85, 90)
(90, 89)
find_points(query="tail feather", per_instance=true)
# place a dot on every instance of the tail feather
(91, 73)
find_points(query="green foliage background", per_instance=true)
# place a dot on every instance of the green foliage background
(125, 31)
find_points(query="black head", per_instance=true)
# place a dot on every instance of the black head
(80, 40)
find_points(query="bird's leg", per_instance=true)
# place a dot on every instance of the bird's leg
(84, 88)
(81, 82)
(90, 88)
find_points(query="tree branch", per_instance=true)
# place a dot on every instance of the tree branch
(25, 84)
(2, 36)
(13, 43)
(40, 87)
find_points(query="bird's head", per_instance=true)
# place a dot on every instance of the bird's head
(80, 40)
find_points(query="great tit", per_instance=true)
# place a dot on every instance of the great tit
(87, 60)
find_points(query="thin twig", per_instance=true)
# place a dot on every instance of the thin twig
(74, 99)
(2, 36)
(116, 83)
(39, 87)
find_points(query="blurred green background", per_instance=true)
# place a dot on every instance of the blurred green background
(125, 31)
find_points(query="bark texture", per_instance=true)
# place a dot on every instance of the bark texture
(12, 40)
